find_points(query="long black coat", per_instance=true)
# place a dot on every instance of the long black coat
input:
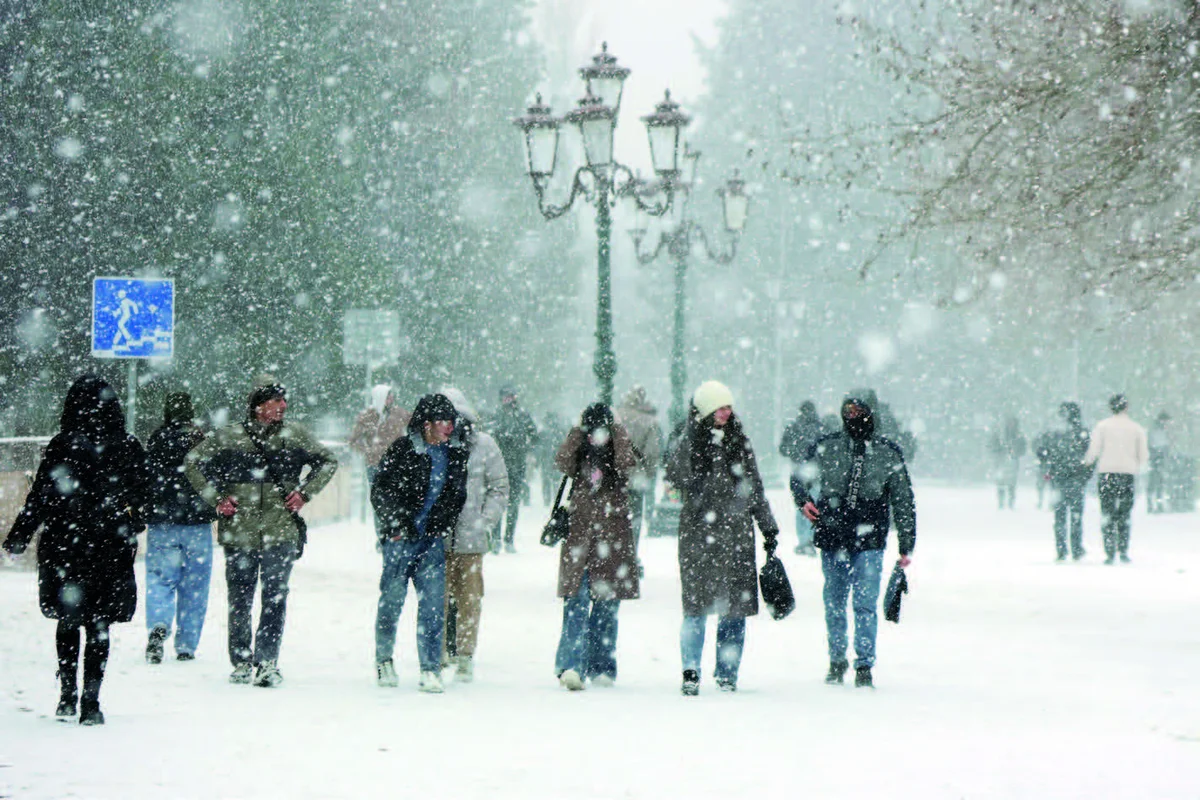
(88, 501)
(722, 499)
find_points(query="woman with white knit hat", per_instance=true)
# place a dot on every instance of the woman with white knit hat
(714, 468)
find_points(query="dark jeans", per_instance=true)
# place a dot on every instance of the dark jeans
(244, 569)
(1116, 504)
(1068, 516)
(95, 658)
(516, 480)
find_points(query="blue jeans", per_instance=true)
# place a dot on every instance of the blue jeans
(731, 636)
(588, 643)
(178, 571)
(423, 561)
(861, 572)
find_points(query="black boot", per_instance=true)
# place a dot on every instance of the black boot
(837, 671)
(154, 647)
(691, 683)
(90, 713)
(68, 696)
(862, 678)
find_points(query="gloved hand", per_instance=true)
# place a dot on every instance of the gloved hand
(770, 541)
(13, 547)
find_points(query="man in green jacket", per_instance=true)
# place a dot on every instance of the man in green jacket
(253, 473)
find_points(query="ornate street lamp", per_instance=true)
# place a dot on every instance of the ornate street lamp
(603, 180)
(677, 240)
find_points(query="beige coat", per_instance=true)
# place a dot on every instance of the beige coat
(373, 433)
(1118, 445)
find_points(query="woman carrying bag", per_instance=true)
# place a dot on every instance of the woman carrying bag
(715, 469)
(597, 565)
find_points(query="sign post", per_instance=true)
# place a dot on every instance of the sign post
(133, 318)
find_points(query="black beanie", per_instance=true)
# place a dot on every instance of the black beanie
(178, 408)
(262, 394)
(596, 416)
(1118, 403)
(431, 408)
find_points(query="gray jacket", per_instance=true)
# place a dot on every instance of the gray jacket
(487, 483)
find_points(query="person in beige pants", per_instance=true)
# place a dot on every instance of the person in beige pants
(487, 497)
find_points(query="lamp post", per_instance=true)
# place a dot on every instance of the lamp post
(677, 241)
(603, 179)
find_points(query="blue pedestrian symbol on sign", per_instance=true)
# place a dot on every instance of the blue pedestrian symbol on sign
(133, 318)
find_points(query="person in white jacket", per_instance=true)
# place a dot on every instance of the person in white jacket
(487, 497)
(1120, 451)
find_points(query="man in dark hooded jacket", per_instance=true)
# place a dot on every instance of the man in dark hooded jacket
(418, 494)
(864, 487)
(1061, 452)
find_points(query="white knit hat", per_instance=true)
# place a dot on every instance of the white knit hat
(710, 396)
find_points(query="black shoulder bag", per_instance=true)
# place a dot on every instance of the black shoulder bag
(301, 524)
(559, 526)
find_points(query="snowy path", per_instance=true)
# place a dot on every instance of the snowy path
(1010, 677)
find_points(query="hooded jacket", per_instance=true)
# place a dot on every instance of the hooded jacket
(378, 426)
(640, 420)
(402, 484)
(856, 512)
(487, 482)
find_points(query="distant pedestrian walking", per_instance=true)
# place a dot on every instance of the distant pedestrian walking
(799, 435)
(252, 472)
(1159, 441)
(864, 489)
(715, 468)
(87, 500)
(1061, 453)
(1120, 451)
(516, 434)
(597, 566)
(179, 537)
(640, 420)
(1007, 447)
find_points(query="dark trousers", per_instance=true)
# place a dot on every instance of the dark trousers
(244, 569)
(1068, 517)
(95, 658)
(1116, 504)
(516, 480)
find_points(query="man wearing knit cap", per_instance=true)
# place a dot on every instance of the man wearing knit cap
(251, 472)
(864, 487)
(418, 496)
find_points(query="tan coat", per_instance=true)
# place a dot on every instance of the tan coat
(601, 536)
(373, 434)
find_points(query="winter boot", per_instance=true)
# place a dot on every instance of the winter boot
(267, 675)
(862, 678)
(570, 680)
(837, 672)
(154, 647)
(430, 683)
(691, 683)
(90, 713)
(385, 675)
(465, 673)
(241, 673)
(185, 657)
(68, 696)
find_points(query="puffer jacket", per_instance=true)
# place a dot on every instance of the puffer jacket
(229, 464)
(487, 494)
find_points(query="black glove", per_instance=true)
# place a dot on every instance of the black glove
(13, 547)
(770, 541)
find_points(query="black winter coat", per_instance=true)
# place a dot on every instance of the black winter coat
(1061, 454)
(88, 501)
(402, 484)
(884, 493)
(173, 501)
(516, 433)
(799, 435)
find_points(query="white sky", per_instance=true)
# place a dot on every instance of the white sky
(651, 37)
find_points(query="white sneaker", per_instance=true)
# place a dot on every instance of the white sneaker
(466, 669)
(385, 675)
(604, 681)
(242, 673)
(570, 680)
(430, 682)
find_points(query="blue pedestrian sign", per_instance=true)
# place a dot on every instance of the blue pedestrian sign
(133, 318)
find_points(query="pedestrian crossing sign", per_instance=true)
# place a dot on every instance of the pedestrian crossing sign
(133, 318)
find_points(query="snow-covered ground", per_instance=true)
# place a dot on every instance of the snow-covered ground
(1009, 677)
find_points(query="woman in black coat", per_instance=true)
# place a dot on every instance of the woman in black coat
(87, 500)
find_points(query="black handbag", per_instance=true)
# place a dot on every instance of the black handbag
(896, 589)
(776, 588)
(559, 526)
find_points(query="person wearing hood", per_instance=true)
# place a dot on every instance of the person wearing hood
(864, 487)
(597, 565)
(1061, 453)
(88, 501)
(640, 420)
(418, 496)
(377, 427)
(714, 467)
(487, 495)
(179, 540)
(1120, 450)
(252, 472)
(798, 436)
